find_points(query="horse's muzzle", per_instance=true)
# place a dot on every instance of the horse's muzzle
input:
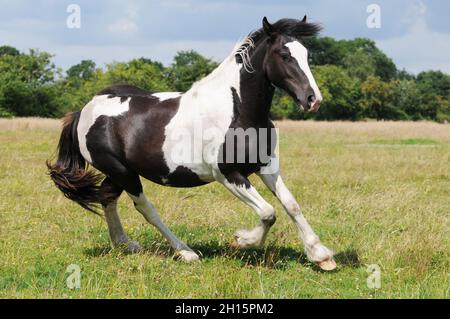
(314, 107)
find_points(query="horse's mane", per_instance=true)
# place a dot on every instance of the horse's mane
(294, 28)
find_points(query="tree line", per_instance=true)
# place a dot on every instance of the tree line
(358, 81)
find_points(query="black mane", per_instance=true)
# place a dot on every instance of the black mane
(294, 28)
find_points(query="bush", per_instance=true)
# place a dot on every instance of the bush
(357, 81)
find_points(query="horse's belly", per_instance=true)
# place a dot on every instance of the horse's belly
(182, 176)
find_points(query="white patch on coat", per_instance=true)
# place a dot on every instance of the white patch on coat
(250, 196)
(162, 96)
(98, 106)
(300, 53)
(203, 118)
(146, 208)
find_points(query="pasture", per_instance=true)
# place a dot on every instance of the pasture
(377, 193)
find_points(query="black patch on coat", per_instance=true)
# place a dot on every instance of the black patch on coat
(251, 110)
(184, 177)
(125, 90)
(134, 140)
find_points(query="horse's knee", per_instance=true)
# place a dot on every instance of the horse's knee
(293, 208)
(268, 215)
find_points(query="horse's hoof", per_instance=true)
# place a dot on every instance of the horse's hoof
(133, 247)
(188, 256)
(234, 244)
(128, 247)
(245, 239)
(328, 265)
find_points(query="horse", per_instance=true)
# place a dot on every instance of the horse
(126, 133)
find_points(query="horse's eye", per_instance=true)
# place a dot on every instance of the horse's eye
(285, 57)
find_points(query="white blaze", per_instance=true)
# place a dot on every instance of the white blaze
(299, 53)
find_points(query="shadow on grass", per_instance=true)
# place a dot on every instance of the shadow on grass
(272, 256)
(348, 258)
(98, 251)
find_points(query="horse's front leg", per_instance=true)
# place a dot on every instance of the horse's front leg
(315, 250)
(240, 186)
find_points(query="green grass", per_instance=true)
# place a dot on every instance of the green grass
(371, 205)
(410, 141)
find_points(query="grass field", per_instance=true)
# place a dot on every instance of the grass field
(376, 193)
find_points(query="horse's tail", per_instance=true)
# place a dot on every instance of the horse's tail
(69, 173)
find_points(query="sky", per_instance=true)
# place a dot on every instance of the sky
(414, 33)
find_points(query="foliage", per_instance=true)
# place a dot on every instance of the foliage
(377, 97)
(8, 50)
(27, 85)
(188, 67)
(357, 81)
(340, 93)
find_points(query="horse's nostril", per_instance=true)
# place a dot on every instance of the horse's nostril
(311, 99)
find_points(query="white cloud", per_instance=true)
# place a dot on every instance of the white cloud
(420, 48)
(124, 25)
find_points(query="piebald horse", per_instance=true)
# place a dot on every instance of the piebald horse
(126, 132)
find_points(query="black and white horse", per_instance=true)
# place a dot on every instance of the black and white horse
(189, 139)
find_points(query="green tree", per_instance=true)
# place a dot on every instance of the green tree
(384, 66)
(143, 73)
(406, 97)
(82, 71)
(325, 51)
(188, 67)
(340, 94)
(359, 65)
(345, 53)
(434, 92)
(8, 50)
(434, 82)
(76, 92)
(282, 106)
(378, 98)
(27, 85)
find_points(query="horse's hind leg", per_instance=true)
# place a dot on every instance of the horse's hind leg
(117, 234)
(146, 208)
(129, 181)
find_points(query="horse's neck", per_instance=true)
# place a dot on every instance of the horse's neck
(256, 91)
(226, 75)
(256, 98)
(251, 93)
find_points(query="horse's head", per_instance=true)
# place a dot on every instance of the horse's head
(286, 61)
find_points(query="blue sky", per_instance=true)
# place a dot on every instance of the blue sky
(415, 33)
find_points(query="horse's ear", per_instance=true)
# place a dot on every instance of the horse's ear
(304, 19)
(267, 27)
